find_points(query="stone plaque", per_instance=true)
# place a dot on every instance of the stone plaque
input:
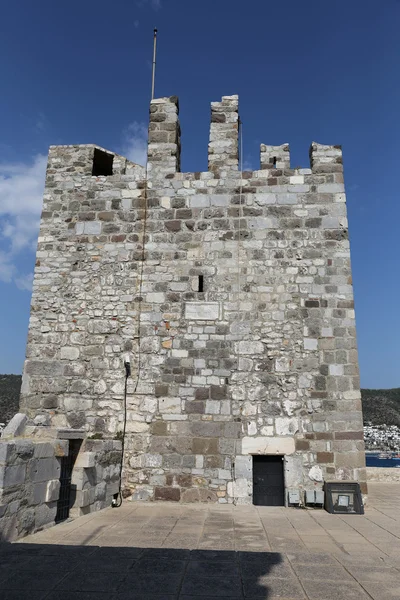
(202, 311)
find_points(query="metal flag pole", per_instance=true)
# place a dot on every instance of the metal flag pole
(154, 64)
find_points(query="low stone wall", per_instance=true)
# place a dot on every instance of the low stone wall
(29, 485)
(96, 476)
(383, 475)
(30, 466)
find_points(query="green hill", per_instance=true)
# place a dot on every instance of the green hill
(379, 406)
(10, 386)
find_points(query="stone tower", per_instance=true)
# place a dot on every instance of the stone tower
(230, 291)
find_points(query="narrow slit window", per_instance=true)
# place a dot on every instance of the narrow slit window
(274, 162)
(102, 163)
(201, 283)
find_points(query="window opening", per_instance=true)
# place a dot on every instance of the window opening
(274, 162)
(201, 283)
(102, 163)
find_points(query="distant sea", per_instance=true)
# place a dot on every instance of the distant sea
(373, 460)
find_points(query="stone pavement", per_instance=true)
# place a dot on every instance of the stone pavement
(166, 551)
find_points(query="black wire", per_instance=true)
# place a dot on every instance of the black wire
(117, 503)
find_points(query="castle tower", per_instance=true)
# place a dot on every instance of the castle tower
(232, 294)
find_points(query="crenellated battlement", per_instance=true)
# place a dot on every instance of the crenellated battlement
(164, 150)
(223, 151)
(326, 159)
(164, 143)
(275, 157)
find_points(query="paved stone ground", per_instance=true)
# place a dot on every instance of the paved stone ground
(166, 551)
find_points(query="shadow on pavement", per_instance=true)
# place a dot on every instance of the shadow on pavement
(61, 572)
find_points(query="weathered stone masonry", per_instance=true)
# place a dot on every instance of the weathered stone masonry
(225, 373)
(31, 475)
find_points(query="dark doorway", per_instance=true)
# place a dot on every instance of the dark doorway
(268, 483)
(65, 499)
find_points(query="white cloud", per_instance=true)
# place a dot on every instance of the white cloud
(21, 193)
(135, 143)
(24, 282)
(21, 187)
(7, 269)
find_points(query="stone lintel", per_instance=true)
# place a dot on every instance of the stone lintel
(268, 445)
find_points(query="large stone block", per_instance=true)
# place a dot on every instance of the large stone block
(207, 429)
(199, 495)
(169, 405)
(202, 311)
(45, 514)
(249, 347)
(240, 488)
(143, 493)
(44, 450)
(293, 466)
(52, 490)
(38, 493)
(85, 460)
(44, 368)
(243, 467)
(268, 445)
(167, 493)
(61, 448)
(205, 445)
(286, 425)
(12, 475)
(84, 497)
(69, 353)
(44, 469)
(7, 451)
(16, 426)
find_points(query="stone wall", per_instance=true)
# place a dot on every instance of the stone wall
(95, 477)
(29, 485)
(30, 466)
(231, 292)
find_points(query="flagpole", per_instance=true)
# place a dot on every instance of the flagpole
(154, 64)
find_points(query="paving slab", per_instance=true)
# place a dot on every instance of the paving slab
(185, 552)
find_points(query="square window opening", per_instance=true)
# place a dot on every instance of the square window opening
(102, 163)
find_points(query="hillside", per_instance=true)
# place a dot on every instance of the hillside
(9, 396)
(379, 406)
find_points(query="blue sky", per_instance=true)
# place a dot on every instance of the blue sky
(80, 72)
